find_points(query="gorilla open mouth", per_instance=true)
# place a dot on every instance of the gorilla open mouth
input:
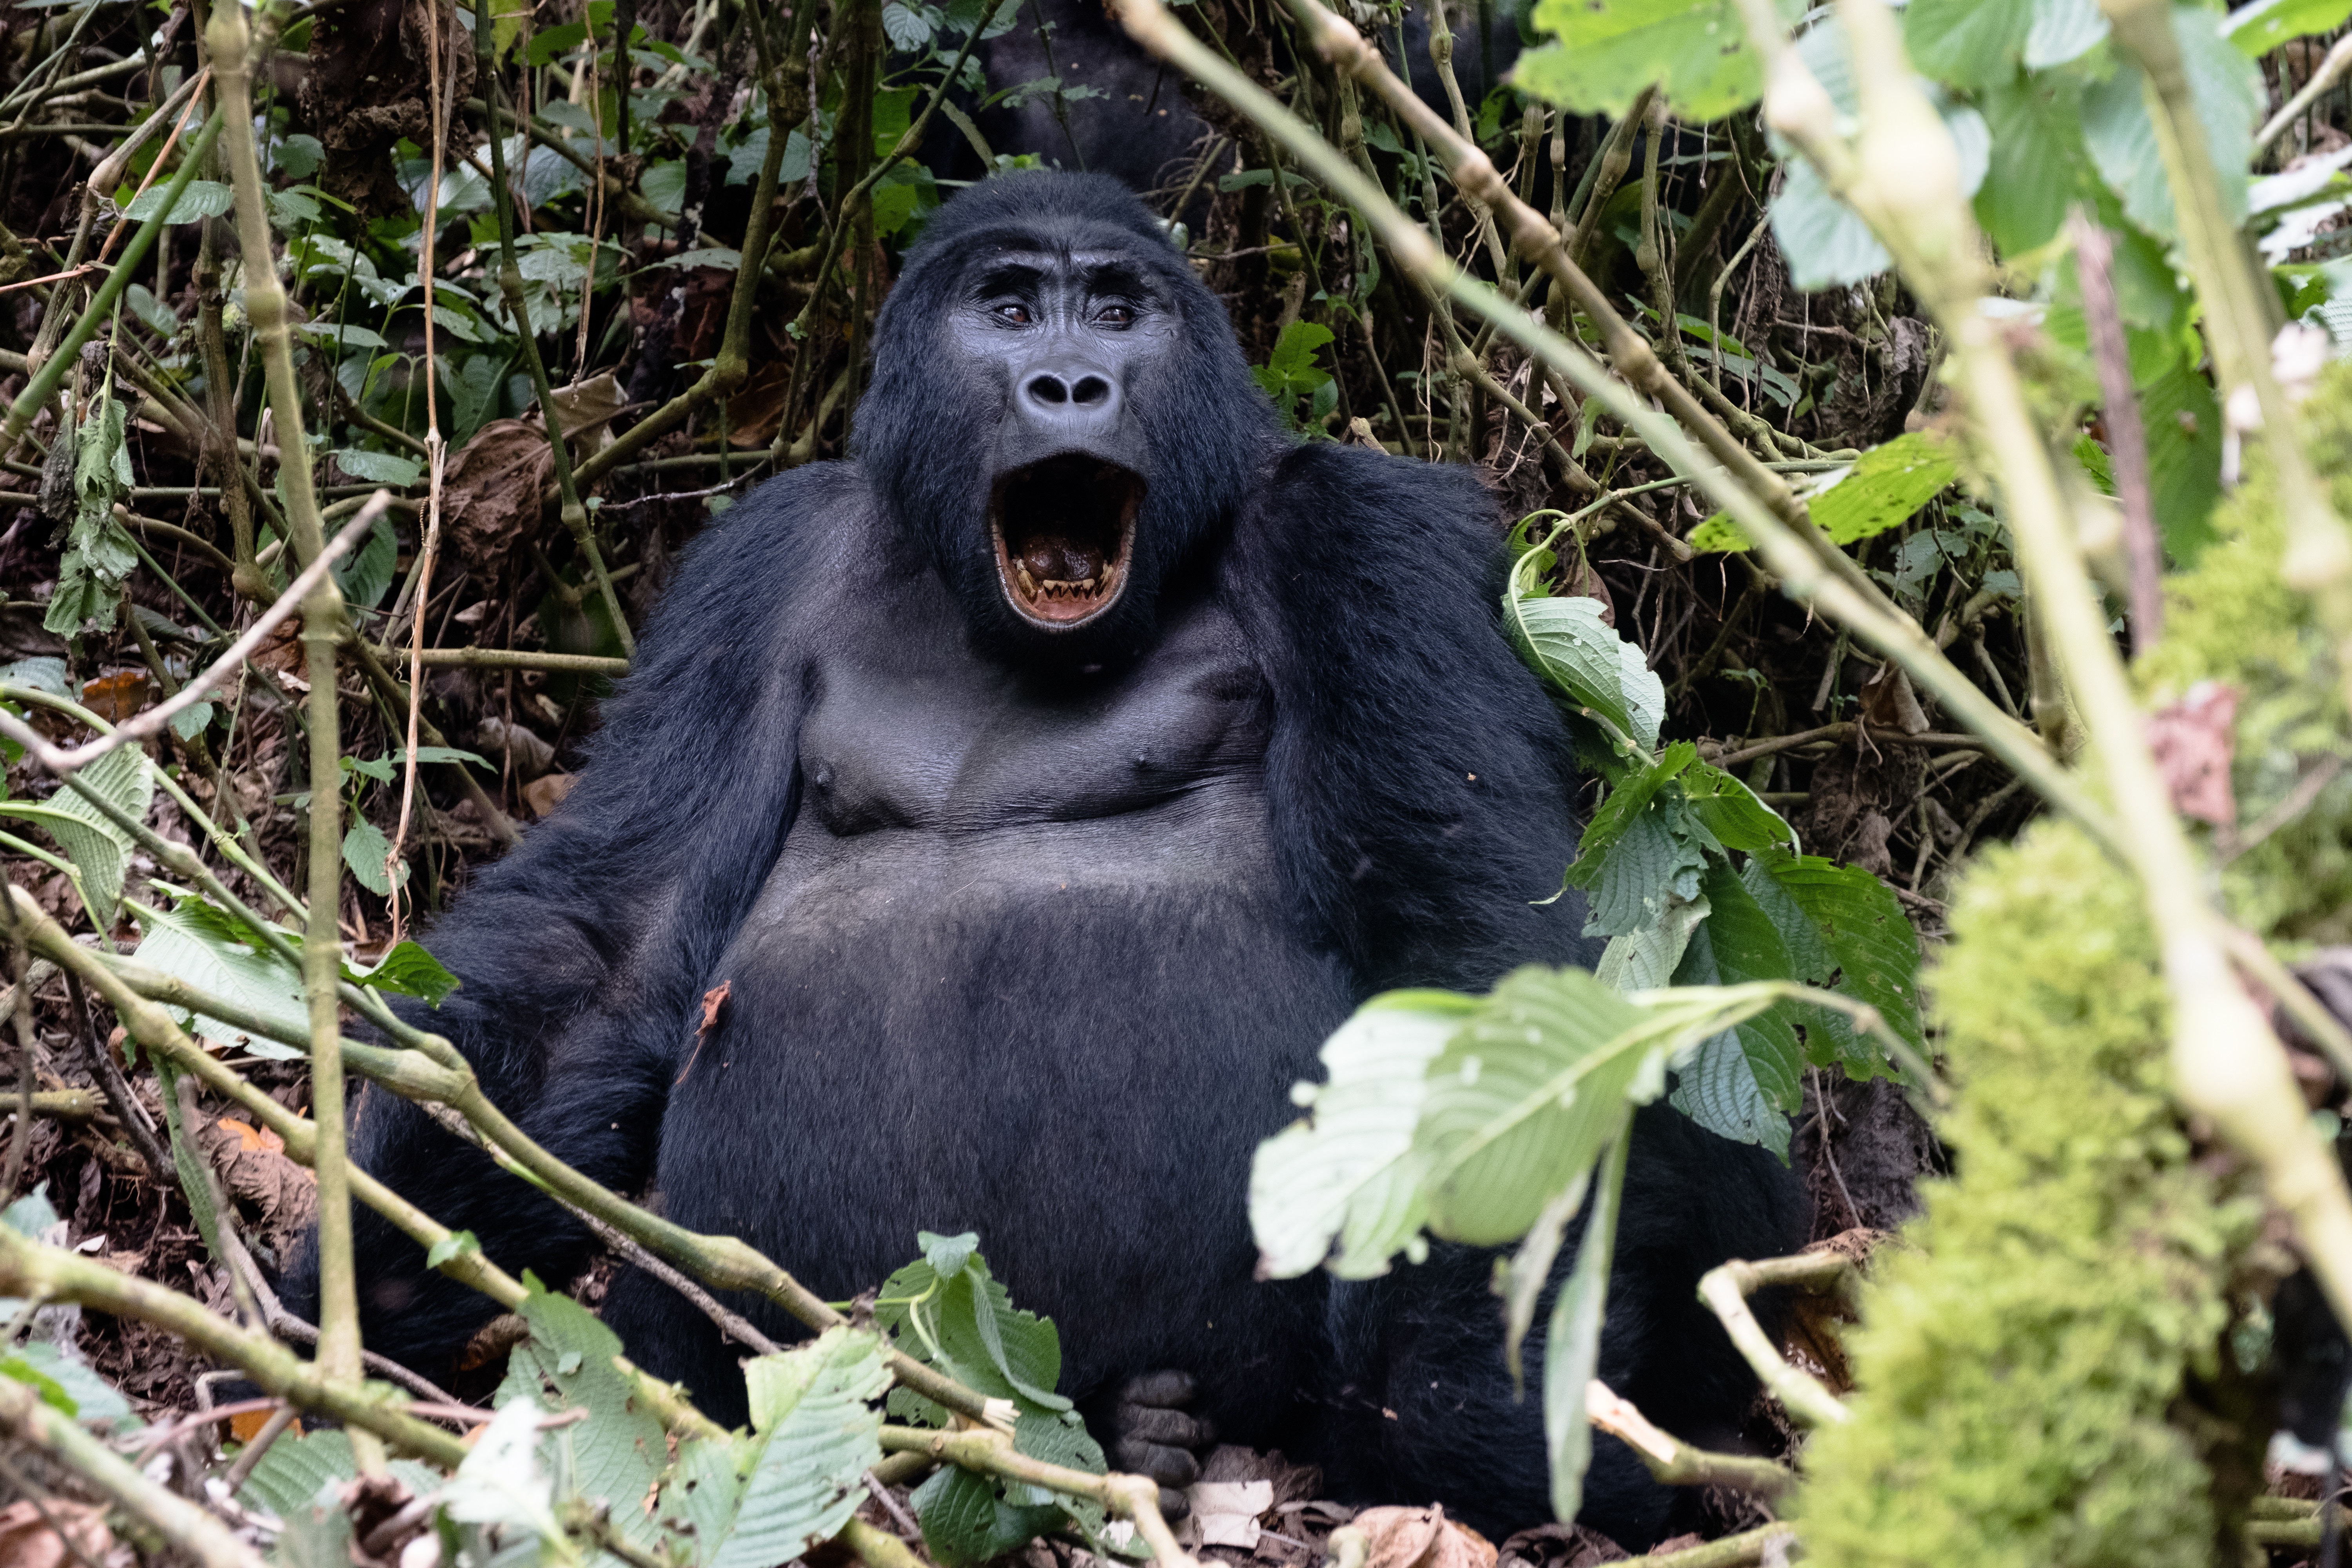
(1064, 534)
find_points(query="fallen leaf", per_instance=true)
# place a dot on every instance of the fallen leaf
(26, 1540)
(2193, 744)
(490, 494)
(585, 409)
(544, 795)
(254, 1168)
(1421, 1538)
(115, 697)
(1889, 703)
(246, 1424)
(1225, 1513)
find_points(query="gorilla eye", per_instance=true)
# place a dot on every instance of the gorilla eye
(1017, 315)
(1116, 316)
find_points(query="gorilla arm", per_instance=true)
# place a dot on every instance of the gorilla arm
(584, 954)
(1419, 779)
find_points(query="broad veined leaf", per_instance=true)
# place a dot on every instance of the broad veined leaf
(2229, 94)
(295, 1469)
(1342, 1188)
(99, 850)
(2183, 419)
(1826, 242)
(614, 1456)
(2039, 164)
(947, 1310)
(197, 951)
(68, 1385)
(1745, 1082)
(1572, 1342)
(1882, 490)
(1735, 814)
(1523, 1099)
(199, 199)
(2064, 30)
(1696, 51)
(1841, 921)
(816, 1433)
(1565, 641)
(1967, 43)
(379, 467)
(1646, 959)
(2257, 30)
(965, 1522)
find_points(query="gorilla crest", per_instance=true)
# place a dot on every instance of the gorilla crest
(1044, 783)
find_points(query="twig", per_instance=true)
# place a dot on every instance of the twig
(2331, 68)
(271, 1430)
(1132, 1497)
(322, 624)
(1840, 731)
(146, 726)
(1725, 1289)
(189, 1527)
(1675, 1463)
(512, 659)
(2127, 437)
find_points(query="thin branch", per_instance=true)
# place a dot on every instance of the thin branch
(1725, 1291)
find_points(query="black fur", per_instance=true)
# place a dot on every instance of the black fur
(1034, 942)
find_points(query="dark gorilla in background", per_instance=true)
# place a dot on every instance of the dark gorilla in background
(1045, 783)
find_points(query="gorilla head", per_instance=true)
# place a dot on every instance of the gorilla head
(1059, 410)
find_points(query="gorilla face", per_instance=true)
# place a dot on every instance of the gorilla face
(1066, 336)
(1060, 413)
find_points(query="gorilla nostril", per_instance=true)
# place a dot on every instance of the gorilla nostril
(1048, 389)
(1090, 389)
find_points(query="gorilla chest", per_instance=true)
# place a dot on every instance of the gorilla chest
(939, 758)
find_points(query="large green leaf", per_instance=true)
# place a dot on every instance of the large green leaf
(1522, 1100)
(2064, 30)
(1696, 51)
(614, 1456)
(1745, 1082)
(1572, 1342)
(1882, 490)
(99, 850)
(818, 1432)
(2258, 29)
(197, 951)
(68, 1385)
(2229, 95)
(293, 1469)
(1347, 1177)
(965, 1522)
(1565, 641)
(1967, 43)
(2039, 163)
(1826, 242)
(2183, 420)
(1842, 923)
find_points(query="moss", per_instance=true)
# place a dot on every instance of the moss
(2232, 617)
(2019, 1361)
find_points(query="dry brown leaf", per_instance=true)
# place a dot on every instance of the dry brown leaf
(491, 494)
(712, 1001)
(1889, 703)
(585, 409)
(1421, 1538)
(254, 1167)
(116, 696)
(544, 795)
(26, 1540)
(1225, 1513)
(2193, 744)
(1580, 581)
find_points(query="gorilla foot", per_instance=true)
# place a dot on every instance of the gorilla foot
(1153, 1433)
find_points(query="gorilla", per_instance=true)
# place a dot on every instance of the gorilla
(1031, 794)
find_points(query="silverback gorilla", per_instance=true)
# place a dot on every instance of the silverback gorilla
(1044, 783)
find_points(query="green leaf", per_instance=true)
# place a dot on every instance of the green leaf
(1826, 242)
(2263, 27)
(1883, 488)
(1967, 43)
(379, 467)
(1342, 1188)
(2064, 30)
(365, 575)
(455, 1244)
(1607, 51)
(99, 850)
(294, 1469)
(1735, 814)
(616, 1454)
(200, 199)
(365, 849)
(1522, 1100)
(1647, 958)
(174, 943)
(1840, 923)
(70, 1386)
(40, 674)
(1572, 1342)
(99, 556)
(1564, 641)
(409, 971)
(966, 1523)
(299, 156)
(2229, 94)
(2183, 420)
(1745, 1082)
(2037, 160)
(818, 1433)
(906, 28)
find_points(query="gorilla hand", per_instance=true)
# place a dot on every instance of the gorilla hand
(1153, 1433)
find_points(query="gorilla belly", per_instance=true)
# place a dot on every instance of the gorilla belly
(1042, 956)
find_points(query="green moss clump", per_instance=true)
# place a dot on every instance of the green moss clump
(2017, 1368)
(2232, 617)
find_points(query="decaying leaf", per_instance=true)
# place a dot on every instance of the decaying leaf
(544, 795)
(1225, 1513)
(2193, 746)
(254, 1167)
(28, 1541)
(491, 493)
(1421, 1538)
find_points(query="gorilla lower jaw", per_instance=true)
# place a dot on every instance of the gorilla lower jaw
(1064, 534)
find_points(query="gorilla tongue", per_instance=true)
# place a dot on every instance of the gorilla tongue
(1063, 527)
